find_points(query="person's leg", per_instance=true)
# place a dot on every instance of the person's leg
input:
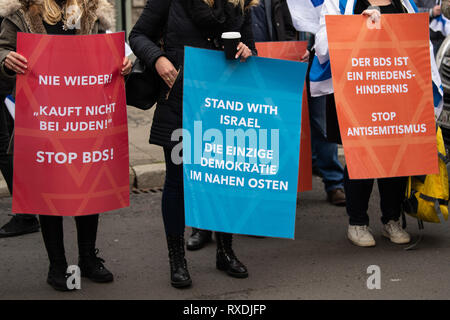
(357, 193)
(6, 160)
(19, 223)
(392, 193)
(324, 153)
(87, 227)
(173, 197)
(90, 265)
(173, 216)
(53, 235)
(226, 259)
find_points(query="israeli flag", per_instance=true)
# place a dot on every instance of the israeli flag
(11, 106)
(320, 74)
(305, 14)
(440, 24)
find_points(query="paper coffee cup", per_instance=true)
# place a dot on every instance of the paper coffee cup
(230, 43)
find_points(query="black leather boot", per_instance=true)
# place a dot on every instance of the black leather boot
(18, 225)
(198, 239)
(92, 267)
(179, 274)
(226, 259)
(57, 277)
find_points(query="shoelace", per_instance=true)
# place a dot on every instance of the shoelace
(361, 229)
(393, 226)
(177, 257)
(228, 250)
(98, 261)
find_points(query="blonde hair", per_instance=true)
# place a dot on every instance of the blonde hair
(70, 13)
(236, 3)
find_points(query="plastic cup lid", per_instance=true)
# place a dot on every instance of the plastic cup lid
(231, 35)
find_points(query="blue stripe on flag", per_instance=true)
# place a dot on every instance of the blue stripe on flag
(317, 3)
(439, 18)
(413, 4)
(319, 72)
(342, 5)
(437, 97)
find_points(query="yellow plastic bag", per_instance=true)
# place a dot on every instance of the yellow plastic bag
(427, 196)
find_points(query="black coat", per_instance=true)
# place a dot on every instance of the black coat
(276, 21)
(283, 28)
(171, 22)
(6, 85)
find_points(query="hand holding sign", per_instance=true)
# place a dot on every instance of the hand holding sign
(16, 62)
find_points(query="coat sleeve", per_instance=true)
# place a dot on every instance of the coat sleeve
(321, 45)
(145, 35)
(8, 42)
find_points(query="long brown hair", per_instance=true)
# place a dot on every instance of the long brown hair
(70, 12)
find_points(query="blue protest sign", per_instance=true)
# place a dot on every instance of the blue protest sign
(241, 142)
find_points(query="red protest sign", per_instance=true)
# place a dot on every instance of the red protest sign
(384, 95)
(284, 50)
(71, 135)
(294, 50)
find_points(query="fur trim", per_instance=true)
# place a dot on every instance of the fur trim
(105, 11)
(106, 15)
(8, 7)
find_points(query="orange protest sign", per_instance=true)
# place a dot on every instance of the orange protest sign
(294, 50)
(384, 95)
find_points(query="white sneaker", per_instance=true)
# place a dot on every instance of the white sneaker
(360, 236)
(395, 232)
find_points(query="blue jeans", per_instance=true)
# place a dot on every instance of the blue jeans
(324, 153)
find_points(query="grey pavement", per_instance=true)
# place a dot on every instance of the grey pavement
(319, 264)
(147, 167)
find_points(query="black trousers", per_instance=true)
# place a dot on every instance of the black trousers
(357, 193)
(173, 197)
(6, 129)
(6, 160)
(53, 235)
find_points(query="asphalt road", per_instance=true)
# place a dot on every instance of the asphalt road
(319, 264)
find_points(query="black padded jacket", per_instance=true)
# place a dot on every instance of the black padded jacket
(163, 29)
